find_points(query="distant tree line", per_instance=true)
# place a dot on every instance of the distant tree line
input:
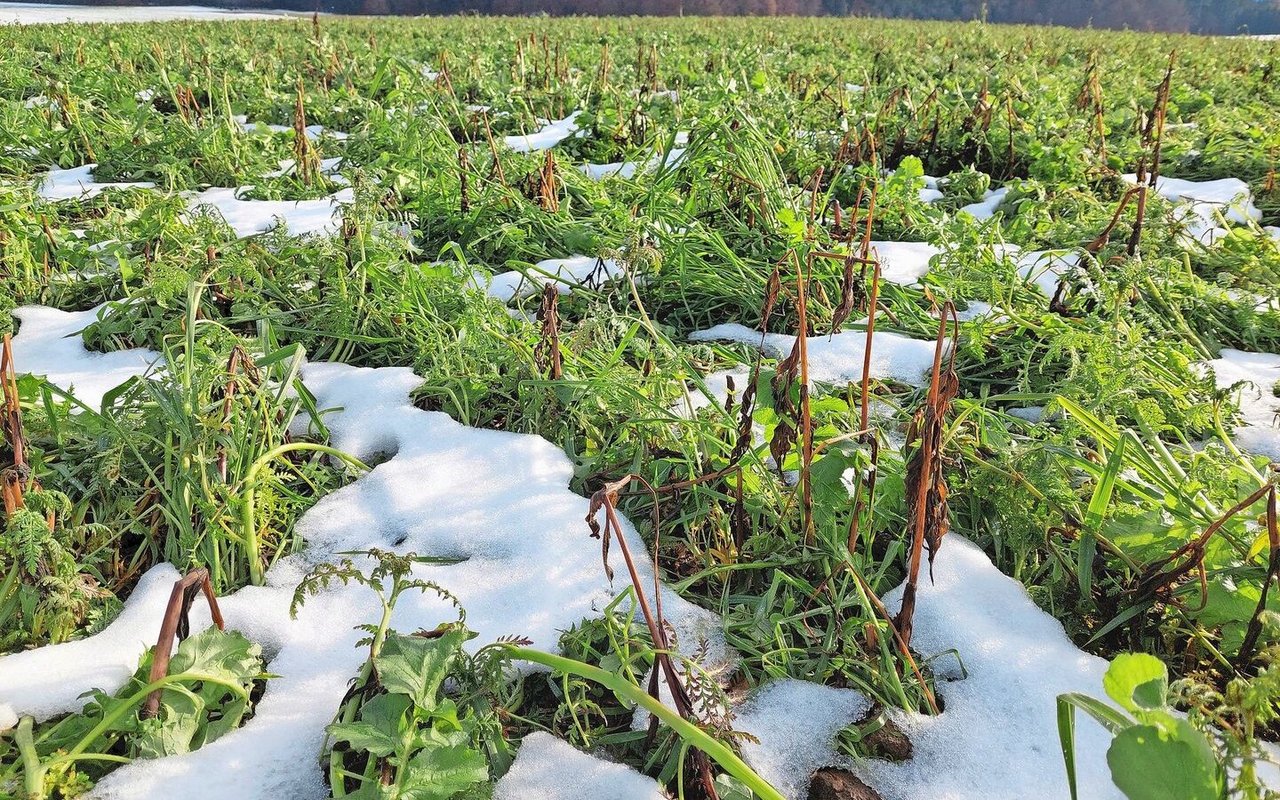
(1195, 16)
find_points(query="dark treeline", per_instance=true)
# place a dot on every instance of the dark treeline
(1195, 16)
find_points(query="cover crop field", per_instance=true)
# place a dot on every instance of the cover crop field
(607, 409)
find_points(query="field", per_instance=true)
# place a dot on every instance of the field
(625, 408)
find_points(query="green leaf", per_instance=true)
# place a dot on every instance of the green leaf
(910, 168)
(225, 654)
(416, 665)
(1120, 619)
(1150, 764)
(380, 729)
(1106, 716)
(446, 765)
(1094, 516)
(175, 728)
(730, 788)
(1067, 738)
(195, 710)
(1137, 681)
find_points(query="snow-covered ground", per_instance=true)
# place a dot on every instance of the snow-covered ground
(501, 502)
(41, 14)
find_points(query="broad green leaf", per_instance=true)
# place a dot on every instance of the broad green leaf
(1149, 764)
(417, 665)
(380, 729)
(364, 736)
(446, 765)
(1137, 681)
(175, 728)
(226, 654)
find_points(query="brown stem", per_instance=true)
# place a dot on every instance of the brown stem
(1273, 571)
(924, 483)
(806, 422)
(175, 615)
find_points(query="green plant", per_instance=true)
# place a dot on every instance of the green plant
(46, 593)
(630, 693)
(1155, 754)
(206, 694)
(202, 443)
(408, 740)
(399, 734)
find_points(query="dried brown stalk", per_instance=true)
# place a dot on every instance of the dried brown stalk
(176, 623)
(903, 647)
(1162, 574)
(1104, 237)
(865, 491)
(547, 352)
(606, 499)
(1273, 572)
(14, 477)
(239, 365)
(1152, 135)
(926, 484)
(306, 161)
(547, 185)
(806, 420)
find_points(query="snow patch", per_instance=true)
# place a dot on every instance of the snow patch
(549, 768)
(795, 723)
(40, 14)
(985, 208)
(48, 681)
(837, 358)
(998, 737)
(904, 262)
(628, 169)
(586, 271)
(312, 132)
(549, 135)
(1045, 268)
(717, 385)
(1202, 201)
(1259, 431)
(49, 344)
(497, 501)
(77, 183)
(250, 217)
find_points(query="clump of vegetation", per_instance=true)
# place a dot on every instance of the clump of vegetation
(208, 691)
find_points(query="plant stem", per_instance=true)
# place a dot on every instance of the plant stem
(252, 544)
(687, 731)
